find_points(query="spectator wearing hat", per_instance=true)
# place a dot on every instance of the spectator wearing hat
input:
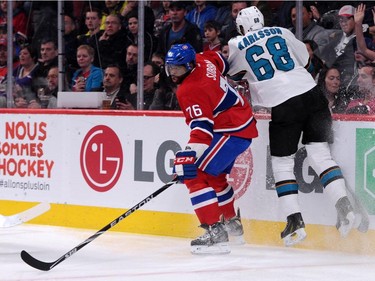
(179, 30)
(340, 52)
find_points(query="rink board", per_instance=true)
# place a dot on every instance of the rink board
(92, 166)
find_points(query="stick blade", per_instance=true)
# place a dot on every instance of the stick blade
(29, 214)
(34, 212)
(33, 262)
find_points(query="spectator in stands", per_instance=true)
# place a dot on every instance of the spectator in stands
(283, 18)
(132, 6)
(150, 70)
(225, 50)
(366, 85)
(311, 31)
(179, 30)
(266, 9)
(360, 59)
(129, 73)
(162, 18)
(112, 87)
(23, 74)
(44, 22)
(132, 34)
(158, 59)
(330, 83)
(50, 93)
(92, 22)
(339, 52)
(364, 44)
(88, 77)
(316, 63)
(230, 30)
(165, 98)
(112, 43)
(223, 14)
(211, 34)
(20, 19)
(202, 13)
(23, 101)
(17, 39)
(71, 45)
(4, 71)
(112, 8)
(48, 56)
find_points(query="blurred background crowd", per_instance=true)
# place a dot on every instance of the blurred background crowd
(100, 48)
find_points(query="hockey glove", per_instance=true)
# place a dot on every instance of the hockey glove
(184, 165)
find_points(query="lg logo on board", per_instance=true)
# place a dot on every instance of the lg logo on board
(101, 158)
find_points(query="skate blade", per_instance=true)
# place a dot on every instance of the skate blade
(236, 240)
(344, 229)
(216, 249)
(361, 223)
(294, 238)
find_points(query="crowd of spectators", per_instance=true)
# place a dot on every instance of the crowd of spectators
(101, 48)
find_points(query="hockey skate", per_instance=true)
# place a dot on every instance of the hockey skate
(214, 241)
(235, 229)
(345, 216)
(362, 221)
(294, 231)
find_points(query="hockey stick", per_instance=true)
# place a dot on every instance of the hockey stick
(29, 214)
(46, 266)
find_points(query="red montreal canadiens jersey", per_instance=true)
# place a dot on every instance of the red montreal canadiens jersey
(211, 105)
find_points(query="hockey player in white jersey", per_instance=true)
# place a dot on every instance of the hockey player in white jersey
(275, 64)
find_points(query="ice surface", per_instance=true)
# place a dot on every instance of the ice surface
(122, 256)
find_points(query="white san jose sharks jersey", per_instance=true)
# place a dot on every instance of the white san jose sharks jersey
(274, 61)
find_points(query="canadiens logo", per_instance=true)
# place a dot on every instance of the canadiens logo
(241, 174)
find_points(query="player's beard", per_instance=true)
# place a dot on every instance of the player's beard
(179, 79)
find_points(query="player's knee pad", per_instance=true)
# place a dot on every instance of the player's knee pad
(319, 156)
(283, 167)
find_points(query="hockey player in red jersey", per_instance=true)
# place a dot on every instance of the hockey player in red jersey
(222, 127)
